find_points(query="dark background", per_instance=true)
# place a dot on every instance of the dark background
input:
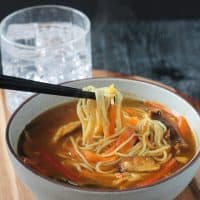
(157, 39)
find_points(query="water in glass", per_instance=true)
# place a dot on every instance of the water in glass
(56, 52)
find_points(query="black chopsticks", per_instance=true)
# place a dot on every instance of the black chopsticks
(20, 84)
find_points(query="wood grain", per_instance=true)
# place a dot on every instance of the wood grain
(11, 187)
(6, 171)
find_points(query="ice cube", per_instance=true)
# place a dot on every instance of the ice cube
(21, 31)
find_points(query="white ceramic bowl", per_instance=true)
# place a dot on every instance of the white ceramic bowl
(46, 189)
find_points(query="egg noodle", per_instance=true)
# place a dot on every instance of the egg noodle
(110, 142)
(98, 139)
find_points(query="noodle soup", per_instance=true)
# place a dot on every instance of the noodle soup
(118, 144)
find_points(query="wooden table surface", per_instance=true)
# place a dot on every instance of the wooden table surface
(11, 188)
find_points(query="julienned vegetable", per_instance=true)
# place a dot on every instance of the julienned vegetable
(110, 142)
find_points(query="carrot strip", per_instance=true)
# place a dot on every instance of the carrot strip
(161, 107)
(96, 178)
(156, 105)
(110, 149)
(112, 118)
(92, 157)
(66, 172)
(171, 164)
(97, 175)
(73, 152)
(132, 121)
(122, 118)
(130, 111)
(129, 145)
(126, 134)
(184, 128)
(34, 165)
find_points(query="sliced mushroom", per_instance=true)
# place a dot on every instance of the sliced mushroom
(173, 134)
(178, 147)
(139, 164)
(66, 129)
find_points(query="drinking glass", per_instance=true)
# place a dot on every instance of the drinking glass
(45, 43)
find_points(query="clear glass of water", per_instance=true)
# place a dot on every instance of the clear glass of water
(45, 43)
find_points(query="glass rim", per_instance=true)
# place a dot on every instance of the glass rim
(76, 11)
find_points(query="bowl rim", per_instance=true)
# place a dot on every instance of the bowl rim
(100, 190)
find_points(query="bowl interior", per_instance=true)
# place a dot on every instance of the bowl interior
(140, 90)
